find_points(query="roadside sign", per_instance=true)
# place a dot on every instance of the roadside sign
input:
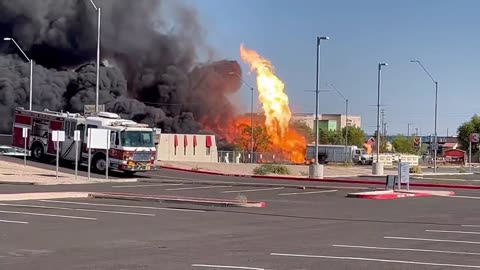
(404, 174)
(76, 135)
(390, 182)
(58, 135)
(24, 136)
(24, 132)
(98, 138)
(475, 137)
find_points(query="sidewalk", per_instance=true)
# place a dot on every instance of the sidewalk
(14, 173)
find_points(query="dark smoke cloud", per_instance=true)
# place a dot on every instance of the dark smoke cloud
(151, 49)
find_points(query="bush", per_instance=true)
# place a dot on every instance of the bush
(416, 169)
(265, 169)
(462, 170)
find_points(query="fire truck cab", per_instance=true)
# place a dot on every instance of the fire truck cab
(132, 145)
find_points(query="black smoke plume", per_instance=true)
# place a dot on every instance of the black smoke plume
(150, 50)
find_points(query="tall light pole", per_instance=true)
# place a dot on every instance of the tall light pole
(98, 55)
(346, 120)
(378, 165)
(251, 117)
(319, 39)
(408, 130)
(435, 140)
(31, 68)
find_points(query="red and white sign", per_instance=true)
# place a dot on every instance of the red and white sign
(475, 137)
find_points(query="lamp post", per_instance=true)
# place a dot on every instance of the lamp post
(435, 140)
(378, 166)
(98, 54)
(346, 120)
(31, 68)
(314, 170)
(251, 116)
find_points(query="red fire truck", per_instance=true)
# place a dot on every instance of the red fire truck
(132, 145)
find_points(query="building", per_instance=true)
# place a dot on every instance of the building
(328, 121)
(187, 147)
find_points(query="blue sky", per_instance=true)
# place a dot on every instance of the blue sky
(444, 35)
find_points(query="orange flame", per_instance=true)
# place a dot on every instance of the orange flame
(275, 106)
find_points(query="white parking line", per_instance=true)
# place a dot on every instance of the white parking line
(46, 215)
(253, 190)
(125, 206)
(377, 260)
(76, 209)
(187, 188)
(308, 192)
(460, 232)
(147, 185)
(226, 267)
(409, 249)
(463, 197)
(472, 226)
(13, 221)
(432, 240)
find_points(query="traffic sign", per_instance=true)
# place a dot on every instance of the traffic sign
(24, 132)
(475, 137)
(58, 135)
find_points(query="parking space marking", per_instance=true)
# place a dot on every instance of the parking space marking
(308, 192)
(146, 185)
(226, 267)
(377, 260)
(46, 215)
(432, 240)
(125, 206)
(188, 188)
(463, 197)
(13, 221)
(459, 232)
(409, 249)
(472, 226)
(76, 209)
(253, 190)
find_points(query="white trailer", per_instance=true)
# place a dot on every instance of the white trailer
(336, 154)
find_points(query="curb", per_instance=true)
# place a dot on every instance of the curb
(391, 195)
(176, 199)
(42, 196)
(325, 180)
(16, 183)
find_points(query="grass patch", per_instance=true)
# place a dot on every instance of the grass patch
(265, 169)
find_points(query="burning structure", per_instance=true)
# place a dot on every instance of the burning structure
(152, 70)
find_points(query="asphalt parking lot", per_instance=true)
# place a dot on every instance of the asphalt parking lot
(299, 229)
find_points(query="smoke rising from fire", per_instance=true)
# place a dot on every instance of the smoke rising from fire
(152, 47)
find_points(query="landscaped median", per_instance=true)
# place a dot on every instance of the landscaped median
(325, 179)
(177, 199)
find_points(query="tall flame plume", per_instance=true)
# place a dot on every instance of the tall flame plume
(275, 105)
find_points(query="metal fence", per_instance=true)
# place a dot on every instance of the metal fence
(246, 157)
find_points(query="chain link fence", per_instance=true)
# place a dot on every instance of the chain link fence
(246, 157)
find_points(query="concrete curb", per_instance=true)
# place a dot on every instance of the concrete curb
(325, 180)
(176, 199)
(16, 183)
(391, 195)
(42, 196)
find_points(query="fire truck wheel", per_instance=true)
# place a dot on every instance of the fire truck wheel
(37, 151)
(99, 163)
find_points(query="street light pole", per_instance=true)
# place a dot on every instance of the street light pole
(408, 130)
(435, 140)
(319, 39)
(378, 164)
(252, 142)
(97, 87)
(31, 68)
(346, 120)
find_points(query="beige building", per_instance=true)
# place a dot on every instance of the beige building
(187, 147)
(330, 121)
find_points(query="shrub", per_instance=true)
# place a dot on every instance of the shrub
(416, 169)
(462, 170)
(265, 169)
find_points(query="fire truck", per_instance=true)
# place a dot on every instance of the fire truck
(132, 145)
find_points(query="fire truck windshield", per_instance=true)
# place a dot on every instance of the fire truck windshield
(137, 138)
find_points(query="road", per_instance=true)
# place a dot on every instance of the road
(312, 228)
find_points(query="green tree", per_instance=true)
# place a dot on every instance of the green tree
(356, 136)
(467, 128)
(304, 130)
(403, 144)
(261, 139)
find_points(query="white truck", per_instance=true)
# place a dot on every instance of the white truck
(336, 154)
